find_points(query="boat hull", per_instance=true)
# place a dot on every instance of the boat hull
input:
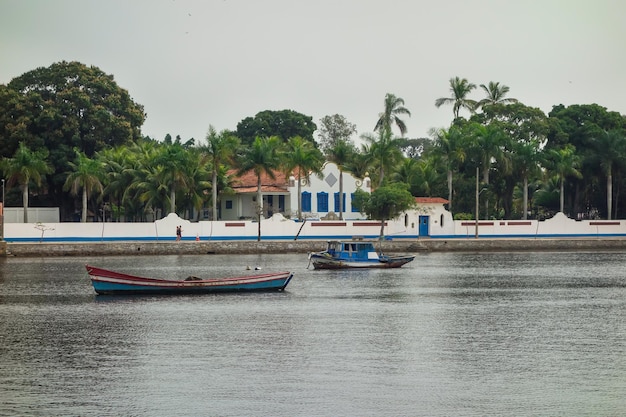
(111, 282)
(324, 261)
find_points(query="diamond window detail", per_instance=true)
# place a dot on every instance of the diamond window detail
(331, 179)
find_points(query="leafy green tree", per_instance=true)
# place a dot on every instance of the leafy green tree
(64, 106)
(25, 167)
(301, 155)
(525, 129)
(393, 109)
(460, 89)
(262, 157)
(86, 175)
(384, 203)
(284, 124)
(495, 94)
(580, 126)
(221, 148)
(334, 129)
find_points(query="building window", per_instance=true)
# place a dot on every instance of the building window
(354, 209)
(306, 201)
(322, 202)
(337, 202)
(229, 204)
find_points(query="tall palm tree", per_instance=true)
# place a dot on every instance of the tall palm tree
(460, 88)
(87, 175)
(564, 162)
(301, 155)
(221, 148)
(24, 167)
(495, 94)
(610, 148)
(526, 157)
(489, 143)
(394, 108)
(450, 150)
(262, 157)
(341, 153)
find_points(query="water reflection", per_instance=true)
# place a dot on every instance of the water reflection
(448, 334)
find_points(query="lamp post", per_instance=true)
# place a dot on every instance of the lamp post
(477, 194)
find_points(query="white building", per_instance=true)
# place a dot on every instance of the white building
(320, 195)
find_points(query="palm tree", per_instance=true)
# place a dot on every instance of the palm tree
(526, 158)
(221, 148)
(24, 167)
(460, 88)
(194, 195)
(564, 162)
(87, 175)
(302, 156)
(341, 153)
(394, 108)
(382, 152)
(262, 157)
(610, 148)
(496, 93)
(450, 150)
(489, 144)
(173, 159)
(118, 163)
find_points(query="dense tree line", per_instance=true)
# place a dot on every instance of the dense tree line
(70, 137)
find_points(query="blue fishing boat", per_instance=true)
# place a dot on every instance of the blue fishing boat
(111, 282)
(355, 254)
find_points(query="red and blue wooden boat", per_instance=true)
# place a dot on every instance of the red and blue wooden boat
(111, 282)
(355, 254)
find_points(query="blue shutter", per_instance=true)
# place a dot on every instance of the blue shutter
(322, 202)
(306, 201)
(354, 209)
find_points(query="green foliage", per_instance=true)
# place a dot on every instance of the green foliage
(393, 109)
(24, 167)
(284, 124)
(65, 106)
(385, 203)
(333, 130)
(460, 89)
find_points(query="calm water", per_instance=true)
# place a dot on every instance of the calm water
(519, 334)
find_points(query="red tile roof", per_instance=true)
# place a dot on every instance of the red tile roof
(247, 183)
(431, 200)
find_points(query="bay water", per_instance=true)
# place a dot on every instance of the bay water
(450, 334)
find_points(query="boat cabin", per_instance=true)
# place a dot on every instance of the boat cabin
(352, 250)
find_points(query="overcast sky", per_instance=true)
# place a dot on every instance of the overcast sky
(192, 64)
